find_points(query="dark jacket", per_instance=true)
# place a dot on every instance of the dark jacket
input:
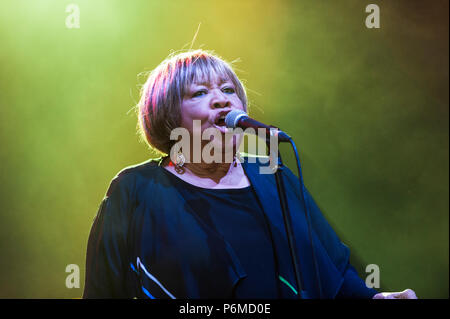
(145, 242)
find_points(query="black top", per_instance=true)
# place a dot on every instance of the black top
(237, 216)
(156, 236)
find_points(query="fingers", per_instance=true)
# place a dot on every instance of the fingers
(405, 294)
(384, 295)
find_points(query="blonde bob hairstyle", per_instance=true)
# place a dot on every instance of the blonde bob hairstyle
(159, 108)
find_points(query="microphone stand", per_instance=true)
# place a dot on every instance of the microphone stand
(301, 294)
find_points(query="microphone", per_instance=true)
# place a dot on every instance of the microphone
(237, 118)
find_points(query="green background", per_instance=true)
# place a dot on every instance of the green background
(368, 109)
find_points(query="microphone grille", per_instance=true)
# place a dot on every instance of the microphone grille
(232, 118)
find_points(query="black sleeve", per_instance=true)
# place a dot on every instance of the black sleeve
(106, 257)
(354, 286)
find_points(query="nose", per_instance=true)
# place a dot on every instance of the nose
(220, 100)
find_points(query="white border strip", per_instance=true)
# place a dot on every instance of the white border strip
(149, 275)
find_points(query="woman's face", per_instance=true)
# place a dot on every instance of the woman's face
(209, 103)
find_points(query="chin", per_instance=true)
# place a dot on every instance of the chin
(227, 149)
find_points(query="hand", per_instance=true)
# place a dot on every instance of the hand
(405, 294)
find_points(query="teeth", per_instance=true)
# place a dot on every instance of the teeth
(220, 118)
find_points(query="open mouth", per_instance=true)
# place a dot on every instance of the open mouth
(220, 121)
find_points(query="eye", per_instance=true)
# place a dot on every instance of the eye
(199, 93)
(228, 90)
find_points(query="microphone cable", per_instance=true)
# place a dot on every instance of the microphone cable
(307, 215)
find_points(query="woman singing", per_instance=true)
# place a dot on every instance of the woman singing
(174, 227)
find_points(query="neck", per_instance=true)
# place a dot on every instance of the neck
(214, 171)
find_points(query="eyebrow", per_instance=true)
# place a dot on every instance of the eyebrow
(223, 80)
